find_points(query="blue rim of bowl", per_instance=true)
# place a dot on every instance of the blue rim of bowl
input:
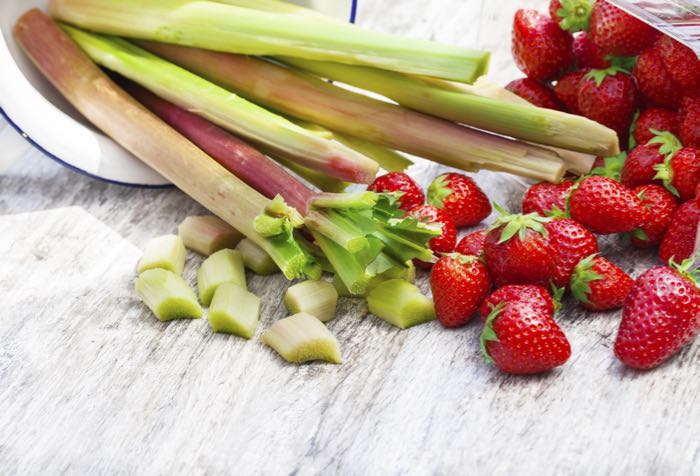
(353, 17)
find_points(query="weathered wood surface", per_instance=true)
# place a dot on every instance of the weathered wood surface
(90, 383)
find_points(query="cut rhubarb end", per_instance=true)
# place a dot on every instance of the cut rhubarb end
(256, 259)
(208, 234)
(234, 310)
(164, 252)
(222, 267)
(302, 338)
(167, 295)
(400, 303)
(318, 298)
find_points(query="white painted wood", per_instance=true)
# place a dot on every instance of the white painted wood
(90, 383)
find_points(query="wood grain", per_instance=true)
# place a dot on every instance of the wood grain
(91, 383)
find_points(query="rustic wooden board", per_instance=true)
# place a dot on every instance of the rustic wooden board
(91, 383)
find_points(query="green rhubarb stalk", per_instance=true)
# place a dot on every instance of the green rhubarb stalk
(167, 295)
(117, 114)
(166, 252)
(223, 108)
(400, 303)
(225, 266)
(234, 29)
(207, 234)
(524, 122)
(318, 298)
(302, 338)
(234, 310)
(255, 258)
(312, 99)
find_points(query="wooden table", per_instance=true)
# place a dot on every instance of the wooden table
(91, 383)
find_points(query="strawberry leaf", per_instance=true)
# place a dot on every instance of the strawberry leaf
(489, 334)
(599, 75)
(664, 172)
(575, 15)
(640, 234)
(669, 143)
(612, 168)
(582, 277)
(438, 191)
(633, 127)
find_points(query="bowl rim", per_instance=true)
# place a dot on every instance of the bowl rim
(4, 115)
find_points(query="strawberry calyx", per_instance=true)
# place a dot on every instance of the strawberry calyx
(556, 212)
(575, 15)
(599, 75)
(688, 268)
(518, 224)
(632, 142)
(438, 191)
(582, 277)
(489, 334)
(670, 145)
(557, 296)
(612, 168)
(462, 259)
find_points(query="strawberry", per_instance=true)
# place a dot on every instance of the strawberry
(680, 236)
(689, 122)
(516, 250)
(566, 90)
(587, 53)
(571, 243)
(609, 96)
(445, 243)
(544, 197)
(541, 49)
(654, 80)
(661, 315)
(460, 198)
(399, 182)
(680, 173)
(537, 296)
(599, 285)
(535, 93)
(521, 337)
(459, 284)
(682, 64)
(619, 33)
(605, 206)
(654, 118)
(472, 244)
(571, 15)
(661, 205)
(641, 165)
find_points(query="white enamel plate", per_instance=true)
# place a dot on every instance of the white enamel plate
(30, 106)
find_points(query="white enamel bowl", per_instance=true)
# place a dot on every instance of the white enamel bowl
(32, 113)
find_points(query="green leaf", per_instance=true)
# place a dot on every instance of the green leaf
(669, 143)
(599, 75)
(488, 333)
(612, 168)
(575, 15)
(640, 234)
(664, 172)
(633, 127)
(582, 277)
(622, 63)
(438, 191)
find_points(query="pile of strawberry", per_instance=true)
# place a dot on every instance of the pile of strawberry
(532, 258)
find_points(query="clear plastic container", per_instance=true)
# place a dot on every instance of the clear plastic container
(679, 19)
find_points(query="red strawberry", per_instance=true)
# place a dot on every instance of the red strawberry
(520, 337)
(654, 80)
(609, 96)
(680, 173)
(587, 53)
(689, 122)
(535, 93)
(537, 296)
(619, 33)
(682, 63)
(599, 284)
(572, 15)
(661, 315)
(460, 198)
(680, 236)
(571, 243)
(641, 165)
(472, 244)
(661, 205)
(656, 118)
(459, 284)
(605, 206)
(566, 90)
(543, 197)
(516, 250)
(445, 243)
(411, 194)
(541, 49)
